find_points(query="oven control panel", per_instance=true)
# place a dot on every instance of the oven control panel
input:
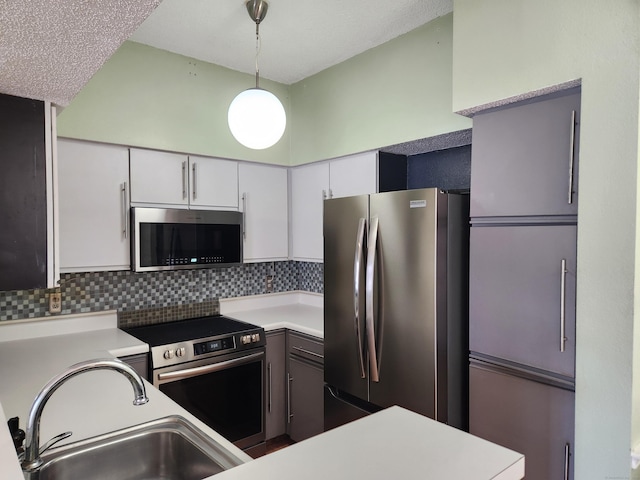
(213, 346)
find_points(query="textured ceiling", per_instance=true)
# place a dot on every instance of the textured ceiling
(49, 49)
(299, 37)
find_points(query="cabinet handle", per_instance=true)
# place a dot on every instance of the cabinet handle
(330, 193)
(269, 386)
(184, 180)
(572, 154)
(324, 194)
(563, 289)
(289, 414)
(308, 352)
(195, 180)
(567, 455)
(125, 224)
(244, 215)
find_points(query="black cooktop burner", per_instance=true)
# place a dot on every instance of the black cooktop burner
(190, 329)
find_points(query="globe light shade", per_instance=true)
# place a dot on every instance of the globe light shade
(257, 118)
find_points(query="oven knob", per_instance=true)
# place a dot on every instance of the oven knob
(168, 354)
(245, 339)
(180, 351)
(255, 337)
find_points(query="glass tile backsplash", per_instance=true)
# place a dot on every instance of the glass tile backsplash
(127, 291)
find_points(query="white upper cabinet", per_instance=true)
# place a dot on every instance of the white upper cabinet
(263, 196)
(312, 184)
(180, 181)
(93, 206)
(213, 183)
(309, 187)
(353, 175)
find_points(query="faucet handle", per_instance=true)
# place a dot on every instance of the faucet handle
(17, 434)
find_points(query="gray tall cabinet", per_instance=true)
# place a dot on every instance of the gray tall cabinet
(522, 270)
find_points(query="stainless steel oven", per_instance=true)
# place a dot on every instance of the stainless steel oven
(213, 367)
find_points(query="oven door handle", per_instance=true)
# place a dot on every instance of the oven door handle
(215, 367)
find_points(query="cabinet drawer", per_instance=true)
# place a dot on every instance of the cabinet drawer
(306, 347)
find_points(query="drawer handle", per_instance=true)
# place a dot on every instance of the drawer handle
(308, 352)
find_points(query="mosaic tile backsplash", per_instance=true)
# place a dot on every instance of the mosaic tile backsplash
(127, 291)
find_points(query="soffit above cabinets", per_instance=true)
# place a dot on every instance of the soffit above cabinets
(50, 49)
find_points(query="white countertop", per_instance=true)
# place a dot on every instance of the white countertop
(394, 443)
(89, 404)
(300, 311)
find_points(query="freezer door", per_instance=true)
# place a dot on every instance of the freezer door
(345, 224)
(405, 298)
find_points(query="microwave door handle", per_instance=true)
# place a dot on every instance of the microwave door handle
(369, 300)
(357, 269)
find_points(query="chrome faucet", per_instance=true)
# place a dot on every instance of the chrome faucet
(32, 452)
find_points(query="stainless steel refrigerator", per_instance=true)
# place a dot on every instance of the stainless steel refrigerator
(395, 305)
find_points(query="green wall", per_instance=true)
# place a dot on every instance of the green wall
(397, 92)
(505, 48)
(148, 97)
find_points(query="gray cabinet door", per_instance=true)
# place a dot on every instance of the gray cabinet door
(524, 159)
(275, 421)
(519, 305)
(526, 416)
(306, 399)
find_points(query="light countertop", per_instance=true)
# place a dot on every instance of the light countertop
(394, 443)
(298, 311)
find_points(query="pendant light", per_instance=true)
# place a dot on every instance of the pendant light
(256, 117)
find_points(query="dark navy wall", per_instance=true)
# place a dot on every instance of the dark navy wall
(448, 169)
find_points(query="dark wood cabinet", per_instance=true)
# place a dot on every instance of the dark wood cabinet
(525, 158)
(23, 194)
(275, 421)
(305, 386)
(527, 416)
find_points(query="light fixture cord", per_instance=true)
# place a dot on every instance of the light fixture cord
(258, 45)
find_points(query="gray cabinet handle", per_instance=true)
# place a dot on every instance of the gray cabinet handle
(289, 413)
(244, 215)
(567, 455)
(572, 154)
(563, 290)
(184, 179)
(369, 301)
(330, 193)
(269, 386)
(357, 269)
(308, 352)
(125, 210)
(194, 171)
(324, 194)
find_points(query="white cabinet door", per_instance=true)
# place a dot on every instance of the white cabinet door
(354, 175)
(93, 206)
(309, 186)
(264, 198)
(213, 183)
(159, 178)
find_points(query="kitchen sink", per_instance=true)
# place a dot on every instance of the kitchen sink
(167, 448)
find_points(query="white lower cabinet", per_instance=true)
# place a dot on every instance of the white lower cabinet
(93, 206)
(263, 197)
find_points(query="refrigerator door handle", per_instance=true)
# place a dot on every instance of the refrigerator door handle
(357, 268)
(563, 291)
(369, 281)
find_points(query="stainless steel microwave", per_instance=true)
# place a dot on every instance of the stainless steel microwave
(172, 239)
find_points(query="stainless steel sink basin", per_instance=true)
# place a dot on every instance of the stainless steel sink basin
(167, 448)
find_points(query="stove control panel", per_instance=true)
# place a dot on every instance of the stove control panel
(213, 346)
